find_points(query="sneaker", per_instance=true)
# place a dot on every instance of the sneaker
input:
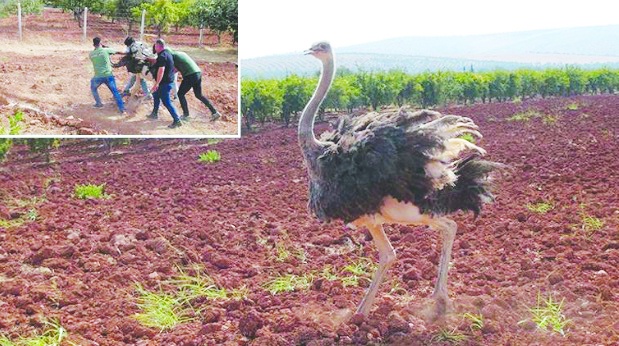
(98, 105)
(215, 116)
(125, 93)
(123, 112)
(148, 97)
(185, 117)
(152, 115)
(175, 124)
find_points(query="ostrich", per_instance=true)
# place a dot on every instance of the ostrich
(393, 168)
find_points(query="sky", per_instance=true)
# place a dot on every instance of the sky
(270, 27)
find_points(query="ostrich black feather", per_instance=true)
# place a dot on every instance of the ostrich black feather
(377, 155)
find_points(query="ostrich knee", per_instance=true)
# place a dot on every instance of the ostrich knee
(386, 257)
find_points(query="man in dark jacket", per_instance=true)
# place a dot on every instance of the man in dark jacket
(164, 78)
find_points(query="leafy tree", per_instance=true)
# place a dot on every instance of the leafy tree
(295, 93)
(9, 7)
(217, 15)
(160, 13)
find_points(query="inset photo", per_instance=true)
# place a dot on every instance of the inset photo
(106, 68)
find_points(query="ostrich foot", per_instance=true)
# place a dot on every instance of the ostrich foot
(436, 309)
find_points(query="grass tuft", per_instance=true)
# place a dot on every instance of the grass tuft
(87, 191)
(524, 116)
(541, 207)
(159, 309)
(53, 335)
(210, 156)
(361, 269)
(548, 314)
(450, 336)
(477, 320)
(289, 283)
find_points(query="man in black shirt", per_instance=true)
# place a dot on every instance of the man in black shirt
(163, 83)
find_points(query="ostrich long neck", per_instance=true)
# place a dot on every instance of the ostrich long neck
(307, 140)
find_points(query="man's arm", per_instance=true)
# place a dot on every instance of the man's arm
(159, 78)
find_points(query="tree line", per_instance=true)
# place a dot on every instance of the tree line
(218, 16)
(282, 99)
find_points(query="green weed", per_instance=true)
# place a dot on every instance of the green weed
(524, 116)
(14, 124)
(53, 335)
(159, 309)
(550, 119)
(289, 283)
(361, 269)
(327, 274)
(477, 320)
(282, 252)
(450, 336)
(572, 106)
(210, 156)
(191, 287)
(541, 207)
(589, 224)
(90, 191)
(548, 314)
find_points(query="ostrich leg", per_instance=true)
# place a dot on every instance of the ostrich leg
(386, 257)
(447, 229)
(138, 83)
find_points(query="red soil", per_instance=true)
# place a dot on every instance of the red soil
(48, 75)
(79, 260)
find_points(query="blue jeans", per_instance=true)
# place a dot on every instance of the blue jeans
(163, 95)
(110, 82)
(143, 84)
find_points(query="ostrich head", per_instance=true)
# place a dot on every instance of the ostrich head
(320, 50)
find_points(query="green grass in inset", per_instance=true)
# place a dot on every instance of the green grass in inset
(90, 191)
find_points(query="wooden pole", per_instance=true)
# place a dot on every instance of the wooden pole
(200, 40)
(19, 20)
(85, 21)
(142, 26)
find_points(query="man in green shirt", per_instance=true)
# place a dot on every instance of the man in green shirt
(100, 58)
(192, 79)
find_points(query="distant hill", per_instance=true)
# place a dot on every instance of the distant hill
(590, 47)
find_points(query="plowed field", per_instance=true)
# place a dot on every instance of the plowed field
(242, 221)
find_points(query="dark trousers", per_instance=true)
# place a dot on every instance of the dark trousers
(163, 95)
(194, 81)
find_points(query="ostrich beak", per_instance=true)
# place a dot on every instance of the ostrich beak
(308, 52)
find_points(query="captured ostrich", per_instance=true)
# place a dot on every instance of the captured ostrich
(393, 168)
